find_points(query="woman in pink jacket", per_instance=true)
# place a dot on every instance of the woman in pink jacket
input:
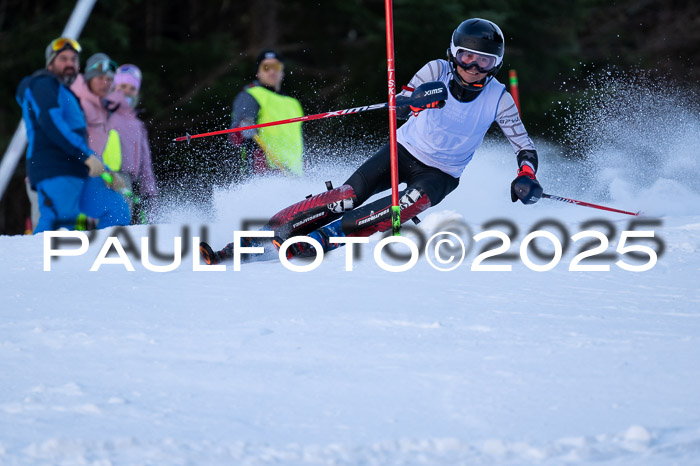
(136, 153)
(92, 88)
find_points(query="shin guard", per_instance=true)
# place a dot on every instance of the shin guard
(312, 213)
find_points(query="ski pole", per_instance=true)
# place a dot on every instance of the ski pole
(108, 177)
(586, 204)
(424, 94)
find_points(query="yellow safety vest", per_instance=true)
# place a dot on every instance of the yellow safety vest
(282, 144)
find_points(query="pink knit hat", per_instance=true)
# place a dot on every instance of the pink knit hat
(128, 74)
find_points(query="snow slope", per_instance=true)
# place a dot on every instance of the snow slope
(270, 366)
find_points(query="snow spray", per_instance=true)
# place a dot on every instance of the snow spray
(637, 137)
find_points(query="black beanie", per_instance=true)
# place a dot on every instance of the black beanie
(267, 54)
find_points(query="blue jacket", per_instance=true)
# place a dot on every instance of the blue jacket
(56, 128)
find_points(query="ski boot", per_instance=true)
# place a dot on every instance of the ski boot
(212, 257)
(322, 235)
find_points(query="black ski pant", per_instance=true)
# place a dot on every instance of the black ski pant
(425, 186)
(374, 176)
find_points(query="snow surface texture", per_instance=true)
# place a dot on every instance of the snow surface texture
(269, 366)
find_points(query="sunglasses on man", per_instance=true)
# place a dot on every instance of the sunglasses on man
(277, 66)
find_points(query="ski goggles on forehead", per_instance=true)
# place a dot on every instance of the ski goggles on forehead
(104, 66)
(466, 59)
(133, 70)
(62, 42)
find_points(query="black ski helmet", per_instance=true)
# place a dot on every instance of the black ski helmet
(486, 39)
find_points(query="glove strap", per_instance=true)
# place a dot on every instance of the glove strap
(415, 110)
(526, 170)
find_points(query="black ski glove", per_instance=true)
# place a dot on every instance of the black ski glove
(525, 186)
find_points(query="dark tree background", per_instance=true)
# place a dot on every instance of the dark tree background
(196, 55)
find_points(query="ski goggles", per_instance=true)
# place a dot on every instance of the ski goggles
(128, 74)
(131, 70)
(466, 58)
(103, 67)
(62, 42)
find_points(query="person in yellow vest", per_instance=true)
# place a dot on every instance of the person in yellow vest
(274, 148)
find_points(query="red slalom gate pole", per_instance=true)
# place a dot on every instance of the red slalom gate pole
(391, 80)
(586, 204)
(514, 88)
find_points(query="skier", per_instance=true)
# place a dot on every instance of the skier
(434, 147)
